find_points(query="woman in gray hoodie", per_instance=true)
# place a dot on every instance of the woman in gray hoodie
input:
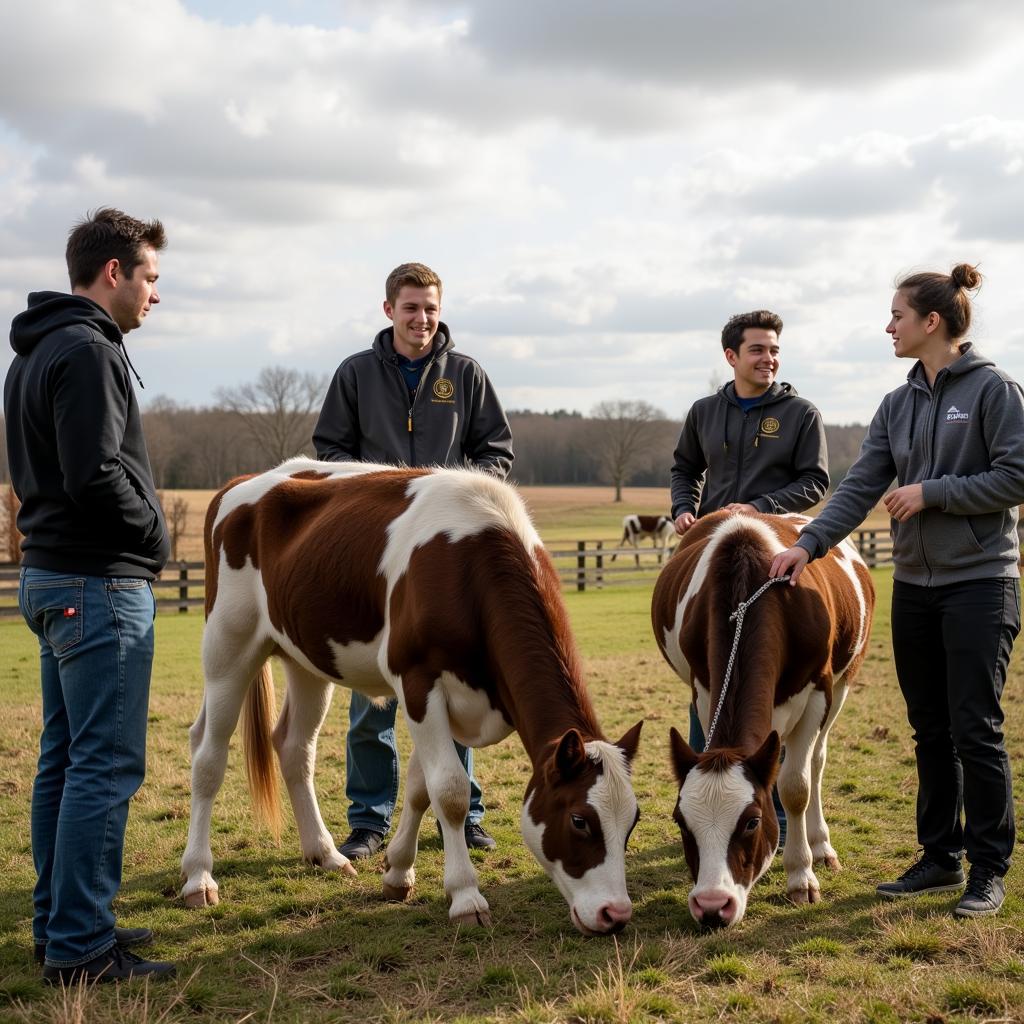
(953, 438)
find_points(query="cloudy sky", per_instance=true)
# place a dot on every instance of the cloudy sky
(600, 184)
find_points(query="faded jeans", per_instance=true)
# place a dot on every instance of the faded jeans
(95, 651)
(371, 767)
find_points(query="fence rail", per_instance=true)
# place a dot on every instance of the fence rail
(585, 565)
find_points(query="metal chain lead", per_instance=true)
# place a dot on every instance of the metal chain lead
(738, 615)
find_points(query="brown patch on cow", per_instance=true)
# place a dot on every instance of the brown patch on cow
(318, 544)
(311, 474)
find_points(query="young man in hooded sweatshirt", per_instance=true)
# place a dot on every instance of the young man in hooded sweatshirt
(94, 539)
(412, 400)
(753, 446)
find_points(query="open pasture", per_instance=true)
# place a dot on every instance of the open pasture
(288, 943)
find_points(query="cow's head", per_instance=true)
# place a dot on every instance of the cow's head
(728, 824)
(577, 817)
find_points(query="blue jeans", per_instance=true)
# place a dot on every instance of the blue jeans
(371, 767)
(95, 653)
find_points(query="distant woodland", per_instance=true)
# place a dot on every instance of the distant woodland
(259, 424)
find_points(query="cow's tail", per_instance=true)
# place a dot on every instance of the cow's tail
(258, 714)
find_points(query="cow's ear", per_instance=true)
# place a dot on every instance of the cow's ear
(570, 757)
(765, 763)
(683, 755)
(630, 741)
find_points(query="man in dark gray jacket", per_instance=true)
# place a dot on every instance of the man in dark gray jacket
(753, 446)
(409, 400)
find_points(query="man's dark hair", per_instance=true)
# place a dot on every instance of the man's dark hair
(108, 234)
(419, 275)
(732, 332)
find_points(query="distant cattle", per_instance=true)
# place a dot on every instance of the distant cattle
(798, 651)
(432, 587)
(636, 528)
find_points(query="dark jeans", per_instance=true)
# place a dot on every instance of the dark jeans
(371, 767)
(951, 646)
(95, 654)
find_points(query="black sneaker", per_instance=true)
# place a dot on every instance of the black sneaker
(924, 876)
(116, 964)
(124, 937)
(476, 837)
(985, 893)
(361, 843)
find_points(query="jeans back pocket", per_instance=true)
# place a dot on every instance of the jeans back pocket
(58, 609)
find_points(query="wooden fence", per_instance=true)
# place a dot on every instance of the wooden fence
(585, 565)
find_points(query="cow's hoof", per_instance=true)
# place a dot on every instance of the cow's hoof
(830, 861)
(203, 898)
(396, 893)
(803, 895)
(473, 919)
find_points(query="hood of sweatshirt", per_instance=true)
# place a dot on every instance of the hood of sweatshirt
(384, 343)
(970, 360)
(776, 393)
(49, 311)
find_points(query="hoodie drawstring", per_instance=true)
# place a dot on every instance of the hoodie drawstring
(129, 362)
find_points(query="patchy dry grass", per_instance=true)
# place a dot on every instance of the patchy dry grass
(290, 944)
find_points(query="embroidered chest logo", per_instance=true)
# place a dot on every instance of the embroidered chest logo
(769, 425)
(954, 415)
(443, 391)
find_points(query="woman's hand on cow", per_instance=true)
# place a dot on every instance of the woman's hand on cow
(790, 563)
(684, 521)
(905, 502)
(739, 506)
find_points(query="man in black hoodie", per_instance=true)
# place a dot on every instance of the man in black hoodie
(753, 446)
(94, 539)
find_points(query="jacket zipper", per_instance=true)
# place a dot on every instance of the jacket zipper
(412, 405)
(929, 437)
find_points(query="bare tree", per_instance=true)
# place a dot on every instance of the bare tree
(10, 538)
(277, 409)
(623, 433)
(176, 517)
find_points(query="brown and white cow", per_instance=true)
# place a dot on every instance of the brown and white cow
(799, 649)
(432, 587)
(636, 528)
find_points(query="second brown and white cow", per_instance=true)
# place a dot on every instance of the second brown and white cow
(636, 528)
(799, 649)
(432, 587)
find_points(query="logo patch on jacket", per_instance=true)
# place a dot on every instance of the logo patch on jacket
(443, 389)
(953, 415)
(769, 425)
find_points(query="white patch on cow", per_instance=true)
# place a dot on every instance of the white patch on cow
(357, 666)
(849, 557)
(786, 715)
(605, 884)
(711, 804)
(473, 721)
(456, 503)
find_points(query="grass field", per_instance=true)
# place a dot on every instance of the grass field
(289, 944)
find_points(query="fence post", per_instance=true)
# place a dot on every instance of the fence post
(599, 565)
(581, 565)
(183, 586)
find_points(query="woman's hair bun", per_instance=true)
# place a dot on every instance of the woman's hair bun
(963, 275)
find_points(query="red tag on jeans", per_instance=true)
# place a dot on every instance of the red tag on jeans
(69, 613)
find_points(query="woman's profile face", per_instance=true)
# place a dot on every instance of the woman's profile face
(910, 331)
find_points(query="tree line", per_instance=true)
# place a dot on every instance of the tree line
(258, 424)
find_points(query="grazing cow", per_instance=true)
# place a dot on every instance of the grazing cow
(799, 648)
(635, 528)
(432, 587)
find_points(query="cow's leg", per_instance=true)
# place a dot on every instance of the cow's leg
(305, 707)
(794, 791)
(448, 786)
(400, 857)
(230, 662)
(817, 828)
